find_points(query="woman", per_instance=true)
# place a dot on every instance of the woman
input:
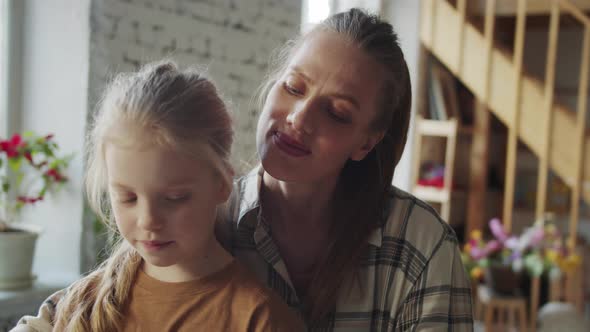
(319, 220)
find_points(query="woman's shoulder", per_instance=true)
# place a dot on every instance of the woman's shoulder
(412, 222)
(44, 319)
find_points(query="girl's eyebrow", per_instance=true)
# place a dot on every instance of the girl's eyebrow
(119, 186)
(297, 70)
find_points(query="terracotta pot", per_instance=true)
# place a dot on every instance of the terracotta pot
(17, 248)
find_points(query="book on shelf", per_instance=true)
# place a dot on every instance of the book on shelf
(442, 94)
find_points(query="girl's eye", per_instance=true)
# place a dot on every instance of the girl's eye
(128, 200)
(177, 198)
(291, 89)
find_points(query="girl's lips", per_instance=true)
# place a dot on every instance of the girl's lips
(155, 245)
(289, 145)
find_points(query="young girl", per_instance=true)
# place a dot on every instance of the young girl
(158, 169)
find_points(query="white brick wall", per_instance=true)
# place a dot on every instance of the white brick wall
(232, 38)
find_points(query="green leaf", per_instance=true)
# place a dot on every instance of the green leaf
(28, 134)
(14, 164)
(5, 187)
(1, 162)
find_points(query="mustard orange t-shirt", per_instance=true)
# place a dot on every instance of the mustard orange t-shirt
(228, 300)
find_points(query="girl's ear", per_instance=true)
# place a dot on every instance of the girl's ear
(225, 187)
(372, 139)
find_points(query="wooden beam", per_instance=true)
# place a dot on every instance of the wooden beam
(574, 9)
(462, 9)
(535, 293)
(581, 137)
(478, 165)
(451, 145)
(548, 110)
(513, 127)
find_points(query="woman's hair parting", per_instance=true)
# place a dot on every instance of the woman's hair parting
(364, 185)
(160, 104)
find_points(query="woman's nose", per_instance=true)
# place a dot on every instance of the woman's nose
(300, 118)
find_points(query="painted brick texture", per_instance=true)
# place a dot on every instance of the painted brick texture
(231, 38)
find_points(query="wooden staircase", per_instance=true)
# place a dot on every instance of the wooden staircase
(525, 104)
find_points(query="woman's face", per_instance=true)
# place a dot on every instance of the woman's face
(319, 112)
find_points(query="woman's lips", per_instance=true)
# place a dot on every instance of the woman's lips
(289, 145)
(155, 245)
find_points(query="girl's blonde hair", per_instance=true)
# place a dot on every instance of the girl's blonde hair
(177, 109)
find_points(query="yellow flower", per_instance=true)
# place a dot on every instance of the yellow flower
(467, 248)
(551, 229)
(476, 234)
(476, 273)
(552, 255)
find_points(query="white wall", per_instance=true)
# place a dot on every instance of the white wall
(404, 15)
(54, 100)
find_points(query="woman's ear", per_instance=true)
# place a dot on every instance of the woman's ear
(372, 139)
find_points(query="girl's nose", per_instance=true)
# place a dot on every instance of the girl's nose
(148, 218)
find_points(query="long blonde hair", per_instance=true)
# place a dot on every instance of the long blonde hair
(179, 109)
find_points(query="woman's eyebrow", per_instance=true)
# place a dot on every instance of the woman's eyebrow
(347, 98)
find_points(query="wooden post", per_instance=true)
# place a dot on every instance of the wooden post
(451, 145)
(513, 127)
(478, 164)
(547, 112)
(536, 287)
(461, 8)
(581, 137)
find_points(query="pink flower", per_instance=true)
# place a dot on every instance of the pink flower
(493, 246)
(537, 236)
(477, 253)
(498, 230)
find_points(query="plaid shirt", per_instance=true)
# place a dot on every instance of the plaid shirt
(412, 274)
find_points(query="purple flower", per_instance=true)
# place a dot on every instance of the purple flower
(498, 230)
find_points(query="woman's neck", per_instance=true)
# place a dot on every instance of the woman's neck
(212, 258)
(309, 204)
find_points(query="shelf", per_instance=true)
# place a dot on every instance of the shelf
(437, 127)
(431, 194)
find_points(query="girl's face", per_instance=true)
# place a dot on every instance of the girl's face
(164, 202)
(318, 114)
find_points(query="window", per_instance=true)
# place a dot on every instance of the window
(313, 12)
(3, 65)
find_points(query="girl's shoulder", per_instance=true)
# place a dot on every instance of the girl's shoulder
(264, 309)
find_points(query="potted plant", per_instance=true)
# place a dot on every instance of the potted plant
(29, 169)
(503, 259)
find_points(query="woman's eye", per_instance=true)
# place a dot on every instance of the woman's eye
(340, 118)
(291, 89)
